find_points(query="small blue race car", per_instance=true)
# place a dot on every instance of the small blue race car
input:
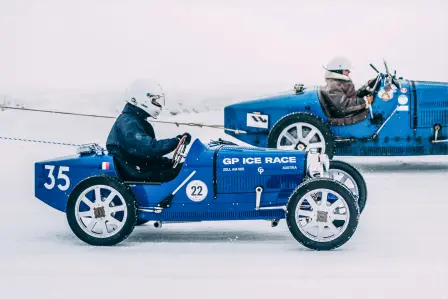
(407, 118)
(320, 199)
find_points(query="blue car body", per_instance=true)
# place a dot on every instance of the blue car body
(414, 122)
(228, 176)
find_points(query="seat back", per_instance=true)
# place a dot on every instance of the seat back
(129, 174)
(339, 121)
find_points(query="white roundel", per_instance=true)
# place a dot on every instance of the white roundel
(196, 190)
(402, 100)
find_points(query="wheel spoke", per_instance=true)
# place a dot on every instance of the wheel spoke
(86, 213)
(339, 217)
(87, 202)
(109, 198)
(102, 225)
(113, 221)
(299, 129)
(305, 213)
(336, 204)
(290, 138)
(320, 231)
(312, 202)
(310, 224)
(116, 209)
(97, 195)
(333, 229)
(310, 135)
(92, 224)
(344, 178)
(323, 201)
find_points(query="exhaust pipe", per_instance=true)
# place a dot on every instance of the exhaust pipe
(157, 224)
(275, 222)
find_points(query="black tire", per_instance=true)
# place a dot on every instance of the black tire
(129, 202)
(305, 118)
(357, 177)
(335, 186)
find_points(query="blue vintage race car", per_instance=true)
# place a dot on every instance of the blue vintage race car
(407, 118)
(104, 201)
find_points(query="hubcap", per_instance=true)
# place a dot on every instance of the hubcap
(302, 137)
(322, 215)
(101, 211)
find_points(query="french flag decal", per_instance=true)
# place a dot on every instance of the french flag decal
(105, 165)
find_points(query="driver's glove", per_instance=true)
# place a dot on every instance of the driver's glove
(369, 100)
(187, 140)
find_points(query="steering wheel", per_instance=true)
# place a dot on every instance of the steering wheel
(179, 152)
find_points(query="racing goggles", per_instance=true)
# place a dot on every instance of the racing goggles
(155, 99)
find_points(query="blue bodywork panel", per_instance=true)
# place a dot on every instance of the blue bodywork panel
(228, 176)
(407, 126)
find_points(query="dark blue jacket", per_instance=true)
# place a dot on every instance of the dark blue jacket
(133, 140)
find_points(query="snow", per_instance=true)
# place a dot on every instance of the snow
(398, 251)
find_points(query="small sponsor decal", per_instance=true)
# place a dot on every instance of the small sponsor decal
(386, 95)
(403, 108)
(233, 169)
(260, 170)
(403, 100)
(404, 90)
(105, 165)
(257, 120)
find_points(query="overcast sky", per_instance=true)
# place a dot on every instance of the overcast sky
(215, 46)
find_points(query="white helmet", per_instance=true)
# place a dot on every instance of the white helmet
(147, 95)
(339, 63)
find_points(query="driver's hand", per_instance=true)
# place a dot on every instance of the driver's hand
(369, 99)
(187, 140)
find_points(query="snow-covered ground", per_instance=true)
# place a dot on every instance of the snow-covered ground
(400, 249)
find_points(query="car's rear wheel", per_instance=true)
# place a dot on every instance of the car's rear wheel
(322, 214)
(101, 211)
(351, 178)
(302, 131)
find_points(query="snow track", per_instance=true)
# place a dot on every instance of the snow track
(399, 250)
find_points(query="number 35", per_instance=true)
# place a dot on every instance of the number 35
(61, 175)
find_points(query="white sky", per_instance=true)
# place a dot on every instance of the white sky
(215, 46)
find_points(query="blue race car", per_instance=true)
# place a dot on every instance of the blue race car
(220, 181)
(407, 118)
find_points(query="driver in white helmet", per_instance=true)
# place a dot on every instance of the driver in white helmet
(343, 98)
(132, 139)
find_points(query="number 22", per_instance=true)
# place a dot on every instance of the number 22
(194, 188)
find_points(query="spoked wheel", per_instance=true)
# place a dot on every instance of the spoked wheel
(101, 211)
(351, 178)
(322, 214)
(302, 132)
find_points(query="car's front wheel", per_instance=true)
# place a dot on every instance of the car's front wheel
(101, 211)
(322, 214)
(351, 178)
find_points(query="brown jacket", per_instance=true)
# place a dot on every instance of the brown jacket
(340, 94)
